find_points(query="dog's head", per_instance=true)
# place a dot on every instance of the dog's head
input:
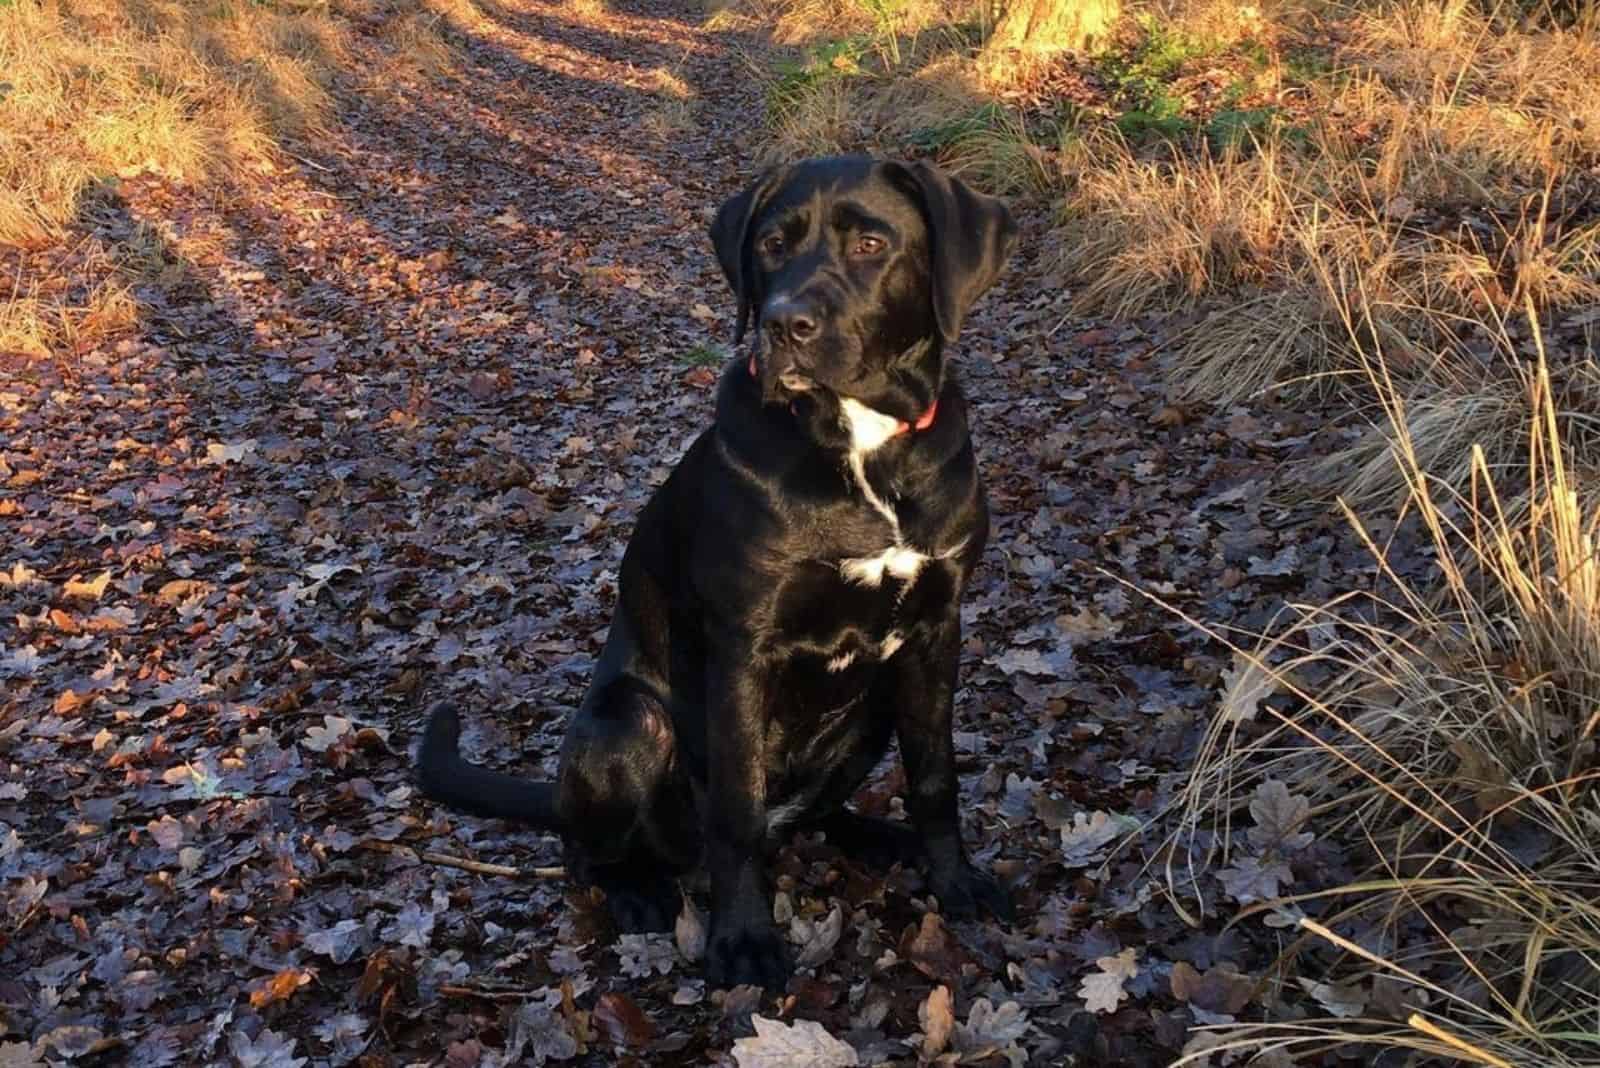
(854, 273)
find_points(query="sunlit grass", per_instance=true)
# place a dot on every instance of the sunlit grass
(1456, 750)
(193, 92)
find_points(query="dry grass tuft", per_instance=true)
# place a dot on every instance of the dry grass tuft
(1146, 234)
(796, 22)
(1457, 751)
(1437, 112)
(819, 120)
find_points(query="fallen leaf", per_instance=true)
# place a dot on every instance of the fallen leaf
(85, 591)
(1278, 815)
(279, 987)
(805, 1044)
(1091, 836)
(622, 1021)
(817, 939)
(1103, 990)
(642, 954)
(690, 931)
(989, 1030)
(1248, 879)
(1343, 1000)
(931, 950)
(1244, 686)
(938, 1020)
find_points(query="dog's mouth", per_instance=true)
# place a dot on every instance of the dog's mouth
(796, 382)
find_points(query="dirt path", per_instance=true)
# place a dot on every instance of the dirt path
(381, 442)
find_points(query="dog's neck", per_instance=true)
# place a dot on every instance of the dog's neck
(870, 428)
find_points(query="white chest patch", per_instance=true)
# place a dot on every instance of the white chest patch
(897, 560)
(869, 427)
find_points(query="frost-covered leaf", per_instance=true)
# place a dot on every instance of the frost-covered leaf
(1029, 660)
(1340, 999)
(1286, 562)
(642, 954)
(1103, 990)
(1278, 815)
(538, 1033)
(1244, 686)
(816, 939)
(339, 942)
(346, 1033)
(1248, 879)
(412, 926)
(804, 1044)
(1090, 837)
(988, 1030)
(267, 1050)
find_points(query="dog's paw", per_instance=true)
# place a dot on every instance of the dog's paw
(964, 891)
(743, 955)
(642, 909)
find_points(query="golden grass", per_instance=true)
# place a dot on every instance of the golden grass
(1143, 234)
(795, 22)
(37, 326)
(1458, 747)
(105, 89)
(1438, 109)
(193, 91)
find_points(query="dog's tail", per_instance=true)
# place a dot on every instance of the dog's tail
(448, 777)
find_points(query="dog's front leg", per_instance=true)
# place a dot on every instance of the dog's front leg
(743, 946)
(925, 683)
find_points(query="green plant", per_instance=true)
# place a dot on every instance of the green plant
(794, 80)
(1165, 49)
(944, 135)
(1235, 128)
(704, 356)
(886, 19)
(1303, 66)
(1159, 115)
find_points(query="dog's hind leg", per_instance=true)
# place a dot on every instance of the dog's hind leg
(877, 841)
(626, 807)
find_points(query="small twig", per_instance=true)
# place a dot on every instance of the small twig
(453, 990)
(309, 162)
(444, 860)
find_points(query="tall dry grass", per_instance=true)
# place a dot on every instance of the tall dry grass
(1456, 750)
(1447, 177)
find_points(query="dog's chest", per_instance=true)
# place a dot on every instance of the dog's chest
(854, 605)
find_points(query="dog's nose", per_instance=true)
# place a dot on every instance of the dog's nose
(789, 320)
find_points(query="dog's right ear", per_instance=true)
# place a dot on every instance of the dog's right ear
(730, 236)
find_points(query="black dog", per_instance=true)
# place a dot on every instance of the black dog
(790, 597)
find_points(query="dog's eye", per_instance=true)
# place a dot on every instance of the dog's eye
(772, 244)
(868, 245)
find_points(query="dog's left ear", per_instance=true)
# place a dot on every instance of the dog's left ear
(730, 236)
(970, 236)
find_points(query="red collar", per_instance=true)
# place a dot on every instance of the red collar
(924, 421)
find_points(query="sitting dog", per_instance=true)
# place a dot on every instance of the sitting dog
(790, 598)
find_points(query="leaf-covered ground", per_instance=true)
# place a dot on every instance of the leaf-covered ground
(380, 438)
